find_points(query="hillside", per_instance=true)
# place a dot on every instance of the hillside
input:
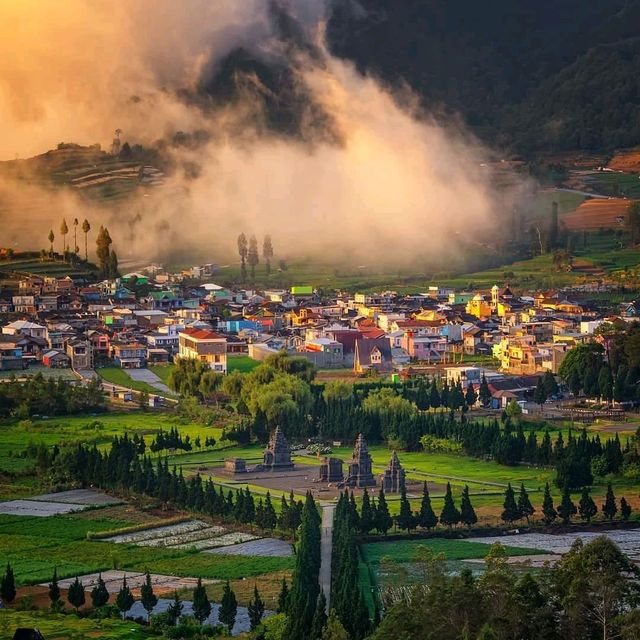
(551, 76)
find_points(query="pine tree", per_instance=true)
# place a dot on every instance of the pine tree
(252, 256)
(540, 393)
(64, 229)
(51, 237)
(283, 597)
(54, 589)
(8, 585)
(609, 509)
(174, 610)
(99, 593)
(470, 396)
(125, 599)
(467, 512)
(484, 393)
(267, 252)
(587, 508)
(242, 251)
(525, 508)
(510, 511)
(625, 509)
(361, 624)
(427, 519)
(255, 608)
(228, 607)
(405, 519)
(319, 618)
(549, 514)
(367, 516)
(269, 517)
(86, 227)
(566, 508)
(450, 514)
(148, 599)
(334, 630)
(201, 604)
(75, 594)
(383, 519)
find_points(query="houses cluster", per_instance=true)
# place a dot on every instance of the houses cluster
(152, 316)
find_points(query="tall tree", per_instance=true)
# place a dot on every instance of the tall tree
(64, 229)
(540, 393)
(201, 604)
(283, 597)
(103, 250)
(367, 515)
(75, 594)
(51, 237)
(525, 508)
(147, 597)
(549, 514)
(609, 508)
(633, 221)
(124, 599)
(587, 507)
(334, 630)
(228, 607)
(405, 519)
(427, 518)
(319, 618)
(625, 509)
(510, 511)
(550, 384)
(450, 514)
(383, 519)
(8, 585)
(255, 608)
(174, 610)
(76, 248)
(242, 251)
(566, 508)
(99, 593)
(267, 252)
(86, 227)
(484, 392)
(467, 512)
(252, 256)
(54, 589)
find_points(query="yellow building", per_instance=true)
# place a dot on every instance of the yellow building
(478, 307)
(206, 346)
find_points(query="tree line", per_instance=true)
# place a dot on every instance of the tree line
(249, 254)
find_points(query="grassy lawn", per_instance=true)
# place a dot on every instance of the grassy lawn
(243, 364)
(118, 376)
(61, 627)
(402, 551)
(35, 546)
(162, 371)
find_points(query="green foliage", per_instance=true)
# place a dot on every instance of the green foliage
(610, 508)
(467, 512)
(587, 507)
(510, 511)
(450, 514)
(201, 604)
(549, 513)
(427, 518)
(54, 589)
(256, 609)
(147, 597)
(228, 607)
(75, 594)
(383, 519)
(8, 585)
(566, 508)
(124, 599)
(99, 593)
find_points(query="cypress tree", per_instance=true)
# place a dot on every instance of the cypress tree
(548, 511)
(228, 607)
(255, 608)
(54, 590)
(99, 593)
(283, 597)
(367, 516)
(361, 624)
(319, 618)
(124, 600)
(609, 509)
(525, 508)
(510, 508)
(450, 514)
(566, 508)
(8, 585)
(75, 594)
(383, 519)
(587, 507)
(625, 509)
(334, 630)
(269, 517)
(148, 599)
(467, 512)
(484, 393)
(405, 519)
(427, 519)
(201, 604)
(174, 610)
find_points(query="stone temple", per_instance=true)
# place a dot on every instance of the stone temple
(393, 477)
(331, 470)
(360, 474)
(277, 454)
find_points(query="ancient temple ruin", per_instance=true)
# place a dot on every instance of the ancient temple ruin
(393, 477)
(331, 470)
(277, 454)
(360, 474)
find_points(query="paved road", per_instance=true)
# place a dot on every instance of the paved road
(598, 196)
(145, 375)
(325, 550)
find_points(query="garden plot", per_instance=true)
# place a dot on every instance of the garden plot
(194, 534)
(89, 497)
(266, 547)
(113, 581)
(627, 539)
(38, 508)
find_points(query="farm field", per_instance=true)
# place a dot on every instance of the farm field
(626, 160)
(596, 214)
(46, 372)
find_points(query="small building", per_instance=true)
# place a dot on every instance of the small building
(373, 353)
(157, 356)
(277, 455)
(235, 465)
(55, 359)
(80, 353)
(331, 470)
(392, 479)
(129, 355)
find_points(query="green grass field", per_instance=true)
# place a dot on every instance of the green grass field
(35, 546)
(243, 364)
(118, 376)
(62, 627)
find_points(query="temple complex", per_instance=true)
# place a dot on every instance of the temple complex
(360, 474)
(331, 470)
(393, 477)
(277, 455)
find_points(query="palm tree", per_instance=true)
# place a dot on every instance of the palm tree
(86, 227)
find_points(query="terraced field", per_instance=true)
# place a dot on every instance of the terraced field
(592, 215)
